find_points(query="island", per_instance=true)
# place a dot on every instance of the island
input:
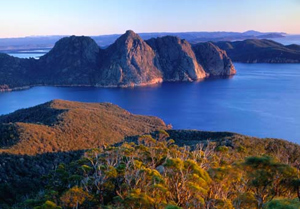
(129, 61)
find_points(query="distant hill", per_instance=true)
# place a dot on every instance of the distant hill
(129, 61)
(68, 126)
(261, 51)
(41, 42)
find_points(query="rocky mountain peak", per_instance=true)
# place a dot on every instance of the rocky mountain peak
(73, 59)
(176, 59)
(75, 46)
(130, 33)
(128, 40)
(214, 60)
(130, 61)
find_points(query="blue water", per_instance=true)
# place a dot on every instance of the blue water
(262, 100)
(32, 53)
(287, 40)
(26, 55)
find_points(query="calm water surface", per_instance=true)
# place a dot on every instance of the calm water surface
(36, 54)
(261, 100)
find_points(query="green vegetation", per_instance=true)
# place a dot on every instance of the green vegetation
(75, 155)
(152, 171)
(62, 126)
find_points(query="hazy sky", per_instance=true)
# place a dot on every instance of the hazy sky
(95, 17)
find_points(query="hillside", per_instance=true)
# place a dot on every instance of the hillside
(67, 126)
(129, 61)
(50, 148)
(218, 155)
(261, 51)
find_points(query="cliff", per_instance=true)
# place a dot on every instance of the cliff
(214, 60)
(176, 59)
(129, 61)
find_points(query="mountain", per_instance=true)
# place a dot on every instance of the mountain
(252, 33)
(58, 126)
(176, 59)
(73, 60)
(214, 60)
(15, 72)
(129, 61)
(261, 51)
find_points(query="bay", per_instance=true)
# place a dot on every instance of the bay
(262, 100)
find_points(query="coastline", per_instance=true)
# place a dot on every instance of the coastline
(131, 85)
(153, 82)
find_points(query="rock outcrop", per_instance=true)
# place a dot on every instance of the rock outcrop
(214, 60)
(176, 59)
(73, 60)
(129, 61)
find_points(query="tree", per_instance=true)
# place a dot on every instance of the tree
(266, 178)
(48, 205)
(74, 197)
(283, 204)
(187, 182)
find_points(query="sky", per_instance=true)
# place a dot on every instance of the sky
(20, 18)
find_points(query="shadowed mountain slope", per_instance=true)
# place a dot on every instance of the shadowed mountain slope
(73, 60)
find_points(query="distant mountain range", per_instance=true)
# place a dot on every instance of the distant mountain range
(41, 42)
(261, 51)
(129, 61)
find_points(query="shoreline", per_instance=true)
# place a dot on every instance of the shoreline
(153, 82)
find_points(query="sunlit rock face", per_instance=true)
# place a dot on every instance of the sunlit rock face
(214, 60)
(128, 62)
(176, 59)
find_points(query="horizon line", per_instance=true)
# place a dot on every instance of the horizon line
(111, 34)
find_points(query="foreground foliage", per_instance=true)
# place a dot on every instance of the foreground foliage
(153, 172)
